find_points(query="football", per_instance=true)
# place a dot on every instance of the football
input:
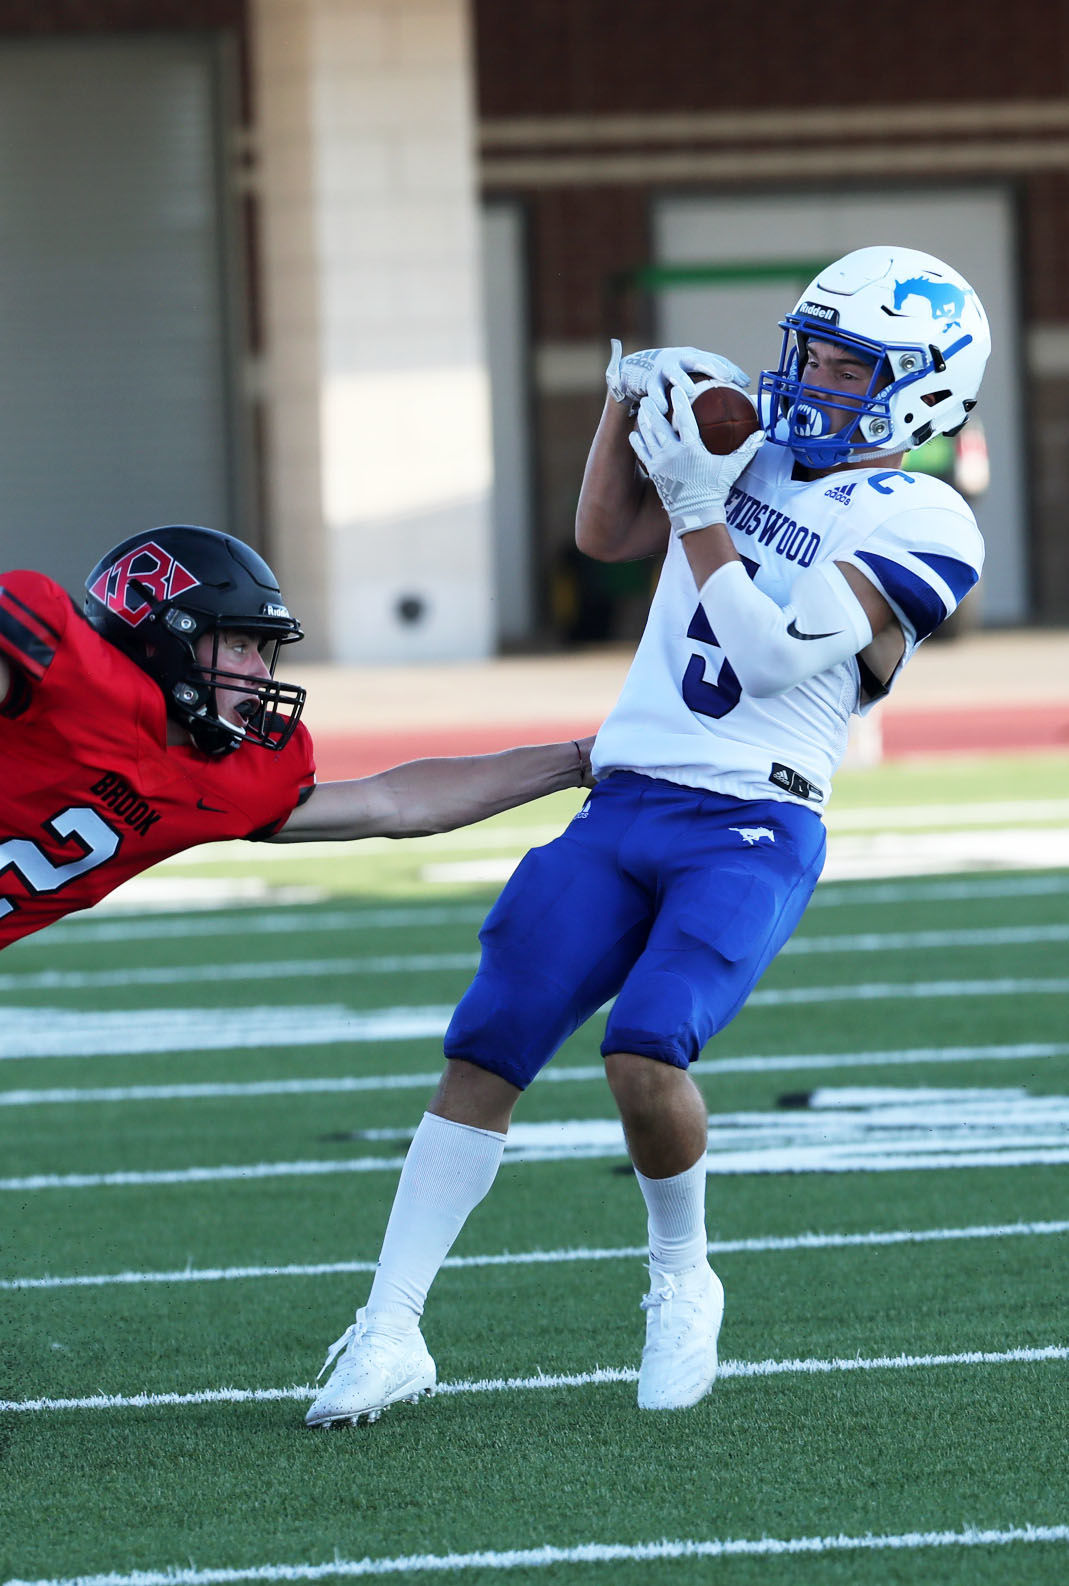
(725, 417)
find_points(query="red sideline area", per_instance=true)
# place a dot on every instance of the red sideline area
(958, 730)
(984, 729)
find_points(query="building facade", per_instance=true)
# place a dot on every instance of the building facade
(340, 275)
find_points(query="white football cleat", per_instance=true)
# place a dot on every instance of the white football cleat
(683, 1315)
(376, 1369)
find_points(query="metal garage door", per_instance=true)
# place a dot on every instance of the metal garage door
(114, 335)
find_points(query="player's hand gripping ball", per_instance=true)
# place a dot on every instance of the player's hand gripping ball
(725, 416)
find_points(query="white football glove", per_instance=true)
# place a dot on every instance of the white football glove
(693, 484)
(654, 372)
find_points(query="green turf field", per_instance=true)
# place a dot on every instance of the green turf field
(203, 1113)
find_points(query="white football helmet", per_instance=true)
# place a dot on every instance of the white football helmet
(916, 320)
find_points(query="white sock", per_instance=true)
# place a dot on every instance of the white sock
(448, 1169)
(676, 1211)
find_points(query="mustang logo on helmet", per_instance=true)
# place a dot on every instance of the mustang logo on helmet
(944, 300)
(148, 569)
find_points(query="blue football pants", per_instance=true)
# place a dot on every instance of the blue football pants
(669, 899)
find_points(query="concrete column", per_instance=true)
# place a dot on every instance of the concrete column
(288, 382)
(392, 322)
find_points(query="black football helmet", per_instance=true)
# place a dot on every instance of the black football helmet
(153, 597)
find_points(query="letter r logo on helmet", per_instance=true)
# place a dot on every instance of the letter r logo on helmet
(120, 587)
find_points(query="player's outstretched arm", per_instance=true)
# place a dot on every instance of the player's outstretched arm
(436, 795)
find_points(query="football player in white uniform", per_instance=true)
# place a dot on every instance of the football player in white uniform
(800, 573)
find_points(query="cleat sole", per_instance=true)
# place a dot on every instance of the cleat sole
(369, 1417)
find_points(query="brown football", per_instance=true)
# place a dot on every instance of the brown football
(725, 417)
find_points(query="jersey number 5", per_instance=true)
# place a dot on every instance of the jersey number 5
(717, 698)
(98, 842)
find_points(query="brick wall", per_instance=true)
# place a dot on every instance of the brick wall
(598, 56)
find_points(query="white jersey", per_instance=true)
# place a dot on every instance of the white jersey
(682, 714)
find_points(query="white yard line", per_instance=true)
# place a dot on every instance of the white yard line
(800, 1061)
(65, 1032)
(937, 853)
(584, 1073)
(421, 963)
(799, 1159)
(142, 925)
(908, 941)
(548, 1557)
(893, 990)
(46, 1032)
(911, 817)
(831, 894)
(541, 1380)
(488, 837)
(139, 925)
(856, 858)
(200, 1175)
(756, 1246)
(227, 972)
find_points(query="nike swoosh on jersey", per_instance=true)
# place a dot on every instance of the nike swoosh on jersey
(796, 634)
(212, 808)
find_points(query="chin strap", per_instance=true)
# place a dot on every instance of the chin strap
(871, 457)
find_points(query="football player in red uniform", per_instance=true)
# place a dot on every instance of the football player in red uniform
(154, 722)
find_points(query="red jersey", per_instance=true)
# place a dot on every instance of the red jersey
(91, 793)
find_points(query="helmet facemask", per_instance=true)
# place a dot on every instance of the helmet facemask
(799, 410)
(270, 709)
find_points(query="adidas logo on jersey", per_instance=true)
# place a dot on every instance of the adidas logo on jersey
(800, 786)
(841, 493)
